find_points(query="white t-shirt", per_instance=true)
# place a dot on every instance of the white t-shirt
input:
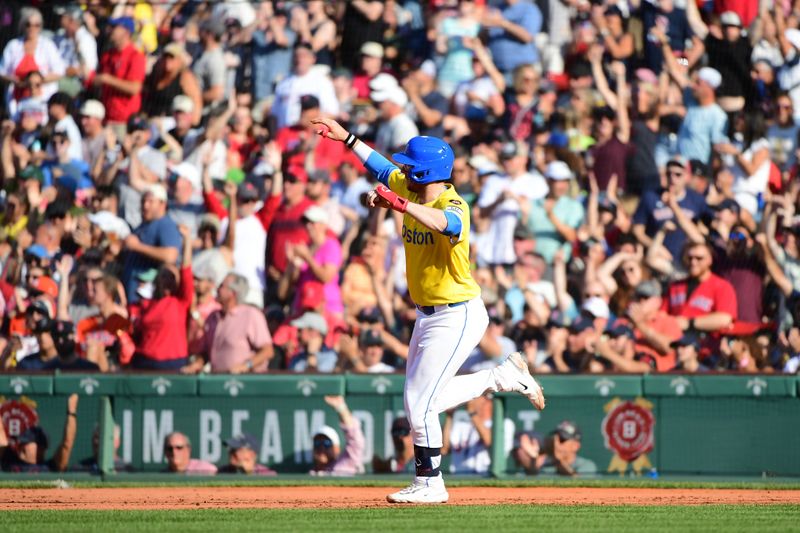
(381, 368)
(249, 250)
(746, 188)
(47, 59)
(67, 124)
(482, 87)
(499, 239)
(286, 108)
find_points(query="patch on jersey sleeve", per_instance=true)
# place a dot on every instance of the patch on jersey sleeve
(453, 209)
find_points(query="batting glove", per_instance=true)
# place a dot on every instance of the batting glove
(398, 203)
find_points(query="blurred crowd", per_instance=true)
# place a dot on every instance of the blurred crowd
(631, 169)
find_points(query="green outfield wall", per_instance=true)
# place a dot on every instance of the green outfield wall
(719, 425)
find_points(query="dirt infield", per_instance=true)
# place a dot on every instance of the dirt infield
(338, 497)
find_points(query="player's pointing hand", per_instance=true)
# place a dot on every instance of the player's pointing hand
(327, 127)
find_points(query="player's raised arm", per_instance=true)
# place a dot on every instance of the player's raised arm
(378, 165)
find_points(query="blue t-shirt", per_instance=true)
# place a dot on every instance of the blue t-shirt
(652, 212)
(701, 129)
(163, 233)
(508, 52)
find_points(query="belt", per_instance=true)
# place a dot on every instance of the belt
(428, 310)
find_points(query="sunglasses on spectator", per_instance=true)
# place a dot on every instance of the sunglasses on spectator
(31, 24)
(323, 443)
(737, 236)
(675, 173)
(592, 295)
(174, 447)
(291, 179)
(95, 279)
(691, 258)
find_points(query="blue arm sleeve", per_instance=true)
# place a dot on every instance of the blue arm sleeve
(380, 167)
(453, 224)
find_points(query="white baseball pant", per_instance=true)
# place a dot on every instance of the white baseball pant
(440, 344)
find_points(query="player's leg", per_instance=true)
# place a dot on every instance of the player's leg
(439, 346)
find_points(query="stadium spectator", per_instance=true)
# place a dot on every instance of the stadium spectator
(243, 457)
(178, 452)
(27, 455)
(209, 69)
(330, 459)
(77, 47)
(170, 77)
(236, 337)
(304, 79)
(688, 358)
(558, 454)
(403, 443)
(511, 33)
(92, 464)
(468, 442)
(655, 330)
(121, 75)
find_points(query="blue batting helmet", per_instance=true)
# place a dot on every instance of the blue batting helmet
(430, 159)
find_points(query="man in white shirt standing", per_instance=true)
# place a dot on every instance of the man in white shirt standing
(500, 202)
(78, 48)
(305, 79)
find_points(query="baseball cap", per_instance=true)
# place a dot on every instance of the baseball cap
(557, 171)
(613, 10)
(581, 325)
(513, 149)
(158, 191)
(175, 50)
(483, 165)
(383, 82)
(62, 331)
(396, 95)
(309, 101)
(38, 251)
(319, 174)
(648, 289)
(147, 276)
(247, 192)
(311, 320)
(728, 203)
(126, 22)
(645, 75)
(699, 168)
(568, 430)
(209, 220)
(312, 293)
(43, 307)
(182, 103)
(108, 222)
(330, 433)
(137, 123)
(621, 330)
(74, 12)
(596, 307)
(428, 67)
(730, 18)
(370, 337)
(687, 339)
(316, 214)
(94, 109)
(372, 49)
(242, 440)
(710, 76)
(188, 172)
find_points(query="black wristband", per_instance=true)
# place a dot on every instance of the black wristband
(351, 140)
(72, 414)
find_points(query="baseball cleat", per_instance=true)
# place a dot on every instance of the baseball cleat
(516, 377)
(421, 490)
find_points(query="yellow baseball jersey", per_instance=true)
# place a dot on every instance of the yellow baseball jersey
(437, 266)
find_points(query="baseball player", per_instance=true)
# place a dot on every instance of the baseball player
(451, 317)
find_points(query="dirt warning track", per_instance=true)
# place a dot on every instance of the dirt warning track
(359, 497)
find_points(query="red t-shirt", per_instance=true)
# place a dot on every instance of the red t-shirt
(328, 155)
(127, 64)
(161, 331)
(714, 295)
(286, 227)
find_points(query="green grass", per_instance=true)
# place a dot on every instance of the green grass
(298, 480)
(498, 518)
